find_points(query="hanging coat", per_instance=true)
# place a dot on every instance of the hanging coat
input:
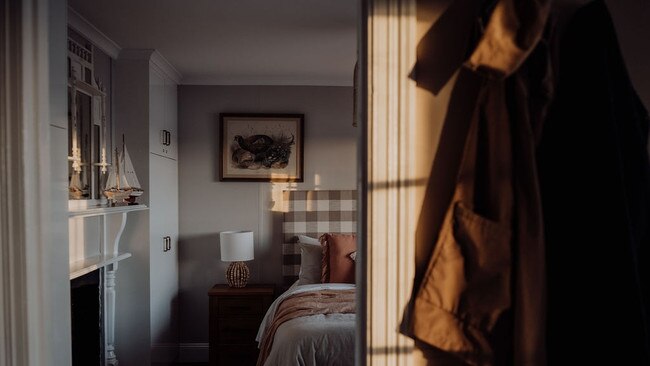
(595, 185)
(482, 298)
(466, 290)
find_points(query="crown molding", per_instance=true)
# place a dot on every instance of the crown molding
(142, 54)
(268, 81)
(94, 35)
(155, 58)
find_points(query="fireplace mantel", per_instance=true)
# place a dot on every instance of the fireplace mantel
(99, 210)
(81, 265)
(95, 234)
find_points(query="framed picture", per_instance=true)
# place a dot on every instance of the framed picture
(261, 147)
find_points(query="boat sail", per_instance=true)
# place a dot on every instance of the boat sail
(122, 184)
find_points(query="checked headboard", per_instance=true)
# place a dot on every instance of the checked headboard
(314, 213)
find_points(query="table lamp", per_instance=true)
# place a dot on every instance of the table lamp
(236, 247)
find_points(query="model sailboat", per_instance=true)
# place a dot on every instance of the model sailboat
(122, 184)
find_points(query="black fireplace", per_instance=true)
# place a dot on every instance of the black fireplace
(87, 321)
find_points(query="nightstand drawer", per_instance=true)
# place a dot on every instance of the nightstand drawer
(238, 330)
(235, 317)
(229, 306)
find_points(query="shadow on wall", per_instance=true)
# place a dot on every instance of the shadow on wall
(200, 263)
(441, 184)
(450, 35)
(167, 326)
(442, 178)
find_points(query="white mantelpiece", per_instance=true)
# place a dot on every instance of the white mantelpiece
(101, 210)
(95, 233)
(84, 266)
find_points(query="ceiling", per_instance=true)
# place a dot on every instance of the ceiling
(237, 42)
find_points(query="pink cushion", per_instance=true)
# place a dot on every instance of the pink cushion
(337, 266)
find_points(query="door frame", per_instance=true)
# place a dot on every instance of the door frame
(387, 225)
(26, 282)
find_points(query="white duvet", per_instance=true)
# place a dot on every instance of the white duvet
(311, 340)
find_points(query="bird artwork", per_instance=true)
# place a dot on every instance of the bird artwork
(255, 144)
(261, 151)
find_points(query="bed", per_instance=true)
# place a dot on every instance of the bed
(311, 323)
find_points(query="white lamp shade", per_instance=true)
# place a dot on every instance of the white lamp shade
(236, 246)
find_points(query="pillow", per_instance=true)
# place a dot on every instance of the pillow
(337, 266)
(310, 260)
(308, 240)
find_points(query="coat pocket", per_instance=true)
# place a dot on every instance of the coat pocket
(487, 251)
(467, 285)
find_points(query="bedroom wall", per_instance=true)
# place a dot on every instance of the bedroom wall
(208, 206)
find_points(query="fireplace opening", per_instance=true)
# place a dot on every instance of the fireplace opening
(87, 320)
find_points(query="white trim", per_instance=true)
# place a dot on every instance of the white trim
(143, 54)
(33, 294)
(25, 248)
(159, 62)
(94, 35)
(166, 67)
(391, 212)
(32, 188)
(271, 80)
(193, 352)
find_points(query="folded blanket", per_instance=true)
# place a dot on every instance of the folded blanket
(306, 304)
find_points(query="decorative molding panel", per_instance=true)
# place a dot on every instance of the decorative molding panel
(390, 198)
(94, 35)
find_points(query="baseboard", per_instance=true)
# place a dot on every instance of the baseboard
(164, 353)
(194, 352)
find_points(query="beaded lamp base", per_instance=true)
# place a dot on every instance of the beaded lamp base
(237, 274)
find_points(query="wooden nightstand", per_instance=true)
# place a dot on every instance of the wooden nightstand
(235, 317)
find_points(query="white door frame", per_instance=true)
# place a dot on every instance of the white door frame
(25, 216)
(388, 211)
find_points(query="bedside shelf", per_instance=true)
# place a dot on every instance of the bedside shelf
(87, 265)
(105, 210)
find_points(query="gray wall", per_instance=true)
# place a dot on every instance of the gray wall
(208, 206)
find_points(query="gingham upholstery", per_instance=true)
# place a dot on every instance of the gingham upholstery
(314, 213)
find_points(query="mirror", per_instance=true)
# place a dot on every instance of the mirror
(87, 128)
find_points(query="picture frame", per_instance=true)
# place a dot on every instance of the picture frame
(261, 147)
